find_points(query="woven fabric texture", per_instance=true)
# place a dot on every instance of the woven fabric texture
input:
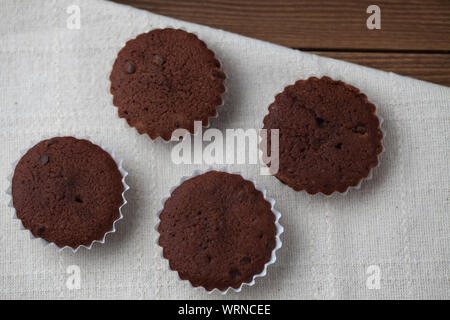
(54, 81)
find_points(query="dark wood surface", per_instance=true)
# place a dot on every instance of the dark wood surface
(414, 39)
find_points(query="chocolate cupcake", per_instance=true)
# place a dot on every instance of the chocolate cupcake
(164, 80)
(329, 135)
(219, 231)
(68, 192)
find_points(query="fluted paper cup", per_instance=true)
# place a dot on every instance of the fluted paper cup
(263, 152)
(279, 230)
(45, 243)
(196, 129)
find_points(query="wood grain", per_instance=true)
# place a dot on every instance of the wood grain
(410, 30)
(428, 67)
(405, 25)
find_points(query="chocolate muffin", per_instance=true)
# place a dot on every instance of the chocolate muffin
(217, 230)
(329, 135)
(67, 191)
(164, 80)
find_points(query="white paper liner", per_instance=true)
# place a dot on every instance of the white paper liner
(218, 108)
(370, 174)
(278, 226)
(45, 243)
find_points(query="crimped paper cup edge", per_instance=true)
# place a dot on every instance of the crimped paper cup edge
(123, 172)
(279, 227)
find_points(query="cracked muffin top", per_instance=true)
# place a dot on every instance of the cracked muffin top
(329, 136)
(164, 80)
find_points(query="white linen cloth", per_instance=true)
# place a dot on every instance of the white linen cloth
(54, 80)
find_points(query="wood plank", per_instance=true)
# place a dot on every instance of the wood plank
(325, 24)
(410, 30)
(429, 67)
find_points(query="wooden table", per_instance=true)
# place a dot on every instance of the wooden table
(414, 38)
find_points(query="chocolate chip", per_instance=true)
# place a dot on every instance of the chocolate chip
(51, 142)
(44, 159)
(234, 274)
(321, 122)
(158, 60)
(360, 128)
(39, 230)
(339, 146)
(245, 260)
(130, 67)
(217, 74)
(78, 199)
